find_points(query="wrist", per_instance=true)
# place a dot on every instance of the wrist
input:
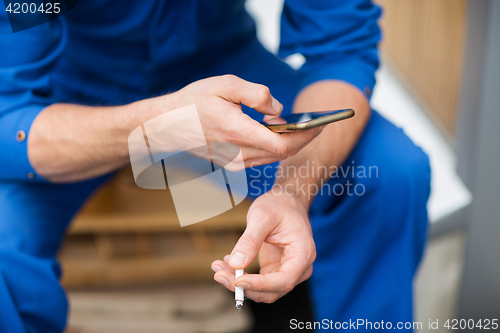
(137, 113)
(167, 124)
(296, 189)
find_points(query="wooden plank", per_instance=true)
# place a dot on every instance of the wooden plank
(84, 273)
(425, 39)
(109, 246)
(103, 223)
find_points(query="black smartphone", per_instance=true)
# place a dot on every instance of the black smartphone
(303, 121)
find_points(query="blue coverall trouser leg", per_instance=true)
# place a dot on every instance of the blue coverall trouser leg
(369, 222)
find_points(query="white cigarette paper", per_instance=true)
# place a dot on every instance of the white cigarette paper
(239, 293)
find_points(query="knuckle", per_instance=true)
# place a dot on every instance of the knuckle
(309, 273)
(289, 286)
(258, 215)
(230, 80)
(282, 150)
(269, 299)
(264, 95)
(293, 152)
(257, 299)
(313, 252)
(313, 256)
(234, 167)
(249, 241)
(229, 77)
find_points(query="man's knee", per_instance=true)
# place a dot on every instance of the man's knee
(405, 168)
(395, 163)
(400, 191)
(386, 171)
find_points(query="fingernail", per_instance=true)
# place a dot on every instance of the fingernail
(237, 259)
(216, 268)
(222, 280)
(276, 106)
(244, 285)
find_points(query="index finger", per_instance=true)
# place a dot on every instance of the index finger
(253, 95)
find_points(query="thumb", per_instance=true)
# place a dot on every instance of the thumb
(249, 244)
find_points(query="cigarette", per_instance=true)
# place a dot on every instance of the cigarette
(239, 293)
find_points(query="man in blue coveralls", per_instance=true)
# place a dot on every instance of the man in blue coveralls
(73, 89)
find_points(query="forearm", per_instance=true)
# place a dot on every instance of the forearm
(69, 142)
(334, 144)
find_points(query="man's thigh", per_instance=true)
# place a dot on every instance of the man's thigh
(369, 223)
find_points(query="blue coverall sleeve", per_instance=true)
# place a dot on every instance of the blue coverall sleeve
(26, 61)
(338, 39)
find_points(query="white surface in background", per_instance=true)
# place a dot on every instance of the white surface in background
(266, 14)
(448, 192)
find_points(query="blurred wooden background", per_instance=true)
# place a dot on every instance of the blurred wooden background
(424, 40)
(128, 236)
